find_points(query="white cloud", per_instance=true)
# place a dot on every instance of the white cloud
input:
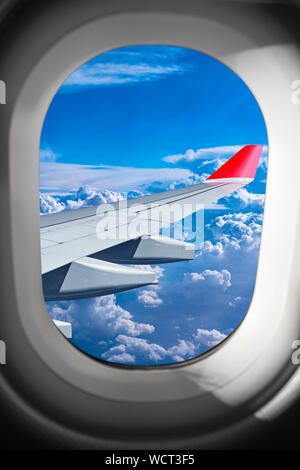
(141, 350)
(49, 204)
(102, 318)
(223, 152)
(178, 358)
(208, 247)
(221, 278)
(136, 347)
(203, 154)
(158, 270)
(47, 155)
(194, 178)
(150, 298)
(84, 197)
(209, 338)
(242, 199)
(237, 230)
(233, 303)
(104, 74)
(123, 358)
(94, 198)
(182, 349)
(62, 177)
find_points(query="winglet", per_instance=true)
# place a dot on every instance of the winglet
(241, 166)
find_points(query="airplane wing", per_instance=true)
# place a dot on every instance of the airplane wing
(86, 252)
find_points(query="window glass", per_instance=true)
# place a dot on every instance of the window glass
(134, 122)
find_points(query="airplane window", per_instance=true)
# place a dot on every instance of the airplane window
(153, 167)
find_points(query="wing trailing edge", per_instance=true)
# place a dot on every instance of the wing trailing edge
(88, 277)
(148, 249)
(103, 273)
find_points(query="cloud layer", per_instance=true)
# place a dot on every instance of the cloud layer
(63, 177)
(104, 320)
(220, 278)
(211, 153)
(83, 197)
(124, 67)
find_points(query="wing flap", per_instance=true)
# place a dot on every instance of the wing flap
(148, 249)
(88, 277)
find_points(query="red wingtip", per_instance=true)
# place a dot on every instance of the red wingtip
(242, 165)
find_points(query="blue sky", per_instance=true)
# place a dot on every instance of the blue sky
(139, 120)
